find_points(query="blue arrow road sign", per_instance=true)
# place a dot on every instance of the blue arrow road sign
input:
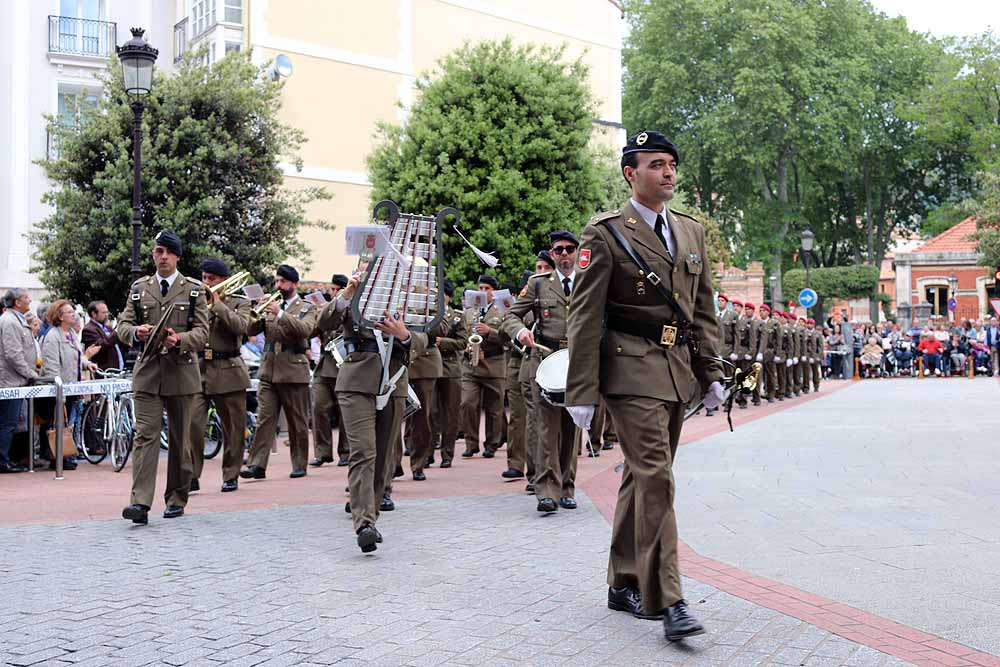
(808, 298)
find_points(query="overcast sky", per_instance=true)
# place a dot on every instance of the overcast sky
(952, 17)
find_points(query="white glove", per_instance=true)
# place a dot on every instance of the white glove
(812, 360)
(760, 356)
(581, 414)
(714, 396)
(796, 360)
(777, 359)
(788, 362)
(733, 357)
(746, 357)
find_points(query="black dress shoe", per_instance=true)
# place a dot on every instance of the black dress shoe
(136, 514)
(342, 462)
(710, 411)
(173, 511)
(743, 406)
(195, 485)
(607, 445)
(253, 472)
(230, 485)
(407, 451)
(419, 476)
(511, 473)
(295, 474)
(630, 600)
(770, 400)
(678, 623)
(347, 507)
(468, 454)
(445, 463)
(529, 487)
(567, 503)
(398, 472)
(320, 460)
(10, 467)
(547, 505)
(429, 461)
(488, 453)
(378, 537)
(367, 539)
(386, 504)
(593, 452)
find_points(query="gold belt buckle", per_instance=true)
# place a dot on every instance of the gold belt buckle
(669, 336)
(208, 354)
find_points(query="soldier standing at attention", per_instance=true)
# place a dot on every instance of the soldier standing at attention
(770, 339)
(644, 271)
(448, 388)
(424, 371)
(224, 377)
(326, 412)
(482, 385)
(815, 352)
(167, 378)
(284, 375)
(746, 345)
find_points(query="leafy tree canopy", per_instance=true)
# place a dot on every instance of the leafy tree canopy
(211, 144)
(835, 282)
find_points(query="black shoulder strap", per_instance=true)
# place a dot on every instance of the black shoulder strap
(192, 301)
(136, 295)
(682, 320)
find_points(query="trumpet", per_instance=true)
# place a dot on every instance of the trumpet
(232, 285)
(258, 310)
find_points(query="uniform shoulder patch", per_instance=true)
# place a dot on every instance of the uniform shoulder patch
(583, 260)
(686, 217)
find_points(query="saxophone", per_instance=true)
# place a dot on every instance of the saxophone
(476, 341)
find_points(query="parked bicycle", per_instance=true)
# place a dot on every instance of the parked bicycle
(108, 424)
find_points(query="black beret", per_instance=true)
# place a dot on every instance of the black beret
(564, 235)
(339, 279)
(650, 142)
(449, 288)
(170, 241)
(288, 273)
(486, 279)
(546, 257)
(216, 266)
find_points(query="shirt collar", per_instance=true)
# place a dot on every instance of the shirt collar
(20, 316)
(571, 276)
(170, 279)
(648, 214)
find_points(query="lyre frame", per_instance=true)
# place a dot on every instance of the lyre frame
(376, 262)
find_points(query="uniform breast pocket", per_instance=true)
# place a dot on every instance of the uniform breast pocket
(630, 287)
(693, 267)
(179, 317)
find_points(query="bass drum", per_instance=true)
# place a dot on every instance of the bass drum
(551, 378)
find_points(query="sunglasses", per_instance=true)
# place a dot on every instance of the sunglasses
(563, 250)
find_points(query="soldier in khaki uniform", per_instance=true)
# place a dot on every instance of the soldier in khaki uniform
(544, 264)
(548, 297)
(815, 367)
(448, 388)
(646, 367)
(727, 321)
(326, 412)
(424, 371)
(516, 427)
(791, 353)
(167, 378)
(284, 376)
(770, 350)
(372, 433)
(482, 386)
(799, 365)
(224, 378)
(746, 345)
(781, 354)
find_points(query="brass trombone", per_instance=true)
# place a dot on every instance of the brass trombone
(232, 285)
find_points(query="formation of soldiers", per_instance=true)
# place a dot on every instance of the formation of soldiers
(789, 348)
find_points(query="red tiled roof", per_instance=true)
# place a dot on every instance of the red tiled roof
(953, 240)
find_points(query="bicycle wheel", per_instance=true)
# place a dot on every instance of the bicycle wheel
(121, 440)
(92, 440)
(213, 435)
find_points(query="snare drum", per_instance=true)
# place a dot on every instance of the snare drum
(551, 378)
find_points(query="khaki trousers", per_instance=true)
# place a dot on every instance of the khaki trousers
(146, 448)
(232, 410)
(517, 452)
(817, 373)
(796, 377)
(555, 471)
(371, 435)
(741, 398)
(779, 368)
(418, 426)
(486, 393)
(805, 371)
(326, 413)
(531, 436)
(644, 534)
(447, 414)
(770, 379)
(294, 400)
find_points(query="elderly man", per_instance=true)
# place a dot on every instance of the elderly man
(18, 360)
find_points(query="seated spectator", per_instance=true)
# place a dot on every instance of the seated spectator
(871, 358)
(930, 347)
(958, 353)
(980, 355)
(902, 352)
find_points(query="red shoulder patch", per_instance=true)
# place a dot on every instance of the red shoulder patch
(584, 258)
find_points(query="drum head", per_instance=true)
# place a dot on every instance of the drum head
(552, 372)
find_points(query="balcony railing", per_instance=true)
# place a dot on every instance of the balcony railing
(180, 39)
(82, 37)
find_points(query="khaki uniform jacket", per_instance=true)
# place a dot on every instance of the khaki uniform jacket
(746, 337)
(362, 371)
(451, 344)
(176, 372)
(428, 365)
(287, 339)
(543, 302)
(228, 320)
(727, 333)
(790, 345)
(801, 340)
(770, 340)
(816, 344)
(607, 281)
(18, 356)
(326, 367)
(495, 364)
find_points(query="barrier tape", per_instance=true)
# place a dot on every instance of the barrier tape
(78, 389)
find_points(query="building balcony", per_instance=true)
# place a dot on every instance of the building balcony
(81, 38)
(180, 39)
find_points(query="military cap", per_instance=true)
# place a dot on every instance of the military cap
(546, 257)
(216, 267)
(487, 279)
(737, 302)
(170, 241)
(650, 142)
(722, 296)
(749, 306)
(339, 279)
(564, 235)
(764, 307)
(810, 320)
(448, 287)
(288, 273)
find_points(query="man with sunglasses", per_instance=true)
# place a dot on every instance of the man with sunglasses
(548, 297)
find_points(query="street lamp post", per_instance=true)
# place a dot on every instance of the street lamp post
(137, 58)
(807, 246)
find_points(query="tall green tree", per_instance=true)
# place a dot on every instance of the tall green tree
(211, 147)
(501, 133)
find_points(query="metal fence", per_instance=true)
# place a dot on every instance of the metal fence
(84, 37)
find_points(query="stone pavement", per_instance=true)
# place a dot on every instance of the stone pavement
(458, 581)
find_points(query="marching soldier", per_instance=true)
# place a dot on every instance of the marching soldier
(770, 351)
(448, 388)
(516, 428)
(798, 364)
(482, 385)
(166, 378)
(284, 376)
(326, 412)
(790, 353)
(544, 264)
(224, 377)
(424, 371)
(745, 338)
(805, 345)
(756, 327)
(644, 271)
(781, 354)
(548, 297)
(727, 320)
(815, 353)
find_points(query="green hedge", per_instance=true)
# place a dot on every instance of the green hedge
(836, 282)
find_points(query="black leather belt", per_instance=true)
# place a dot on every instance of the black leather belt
(664, 334)
(371, 346)
(552, 343)
(212, 355)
